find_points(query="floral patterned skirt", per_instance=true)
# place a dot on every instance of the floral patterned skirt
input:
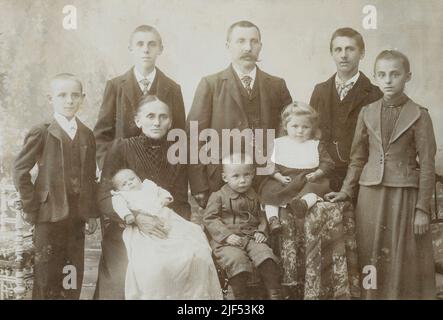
(319, 252)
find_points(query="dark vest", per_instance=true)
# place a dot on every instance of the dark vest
(71, 163)
(251, 104)
(340, 110)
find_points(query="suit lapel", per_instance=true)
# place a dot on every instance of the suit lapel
(373, 119)
(233, 89)
(327, 98)
(55, 130)
(131, 89)
(163, 85)
(83, 142)
(360, 92)
(265, 99)
(408, 115)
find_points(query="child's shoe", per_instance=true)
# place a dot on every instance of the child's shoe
(274, 225)
(275, 294)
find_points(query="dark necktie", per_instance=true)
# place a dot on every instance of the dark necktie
(145, 83)
(247, 80)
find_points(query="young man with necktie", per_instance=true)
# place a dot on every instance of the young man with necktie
(339, 99)
(116, 116)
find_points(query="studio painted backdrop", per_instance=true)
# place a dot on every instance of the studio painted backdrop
(295, 33)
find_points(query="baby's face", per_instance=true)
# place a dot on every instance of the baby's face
(127, 180)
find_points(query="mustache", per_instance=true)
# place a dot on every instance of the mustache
(250, 56)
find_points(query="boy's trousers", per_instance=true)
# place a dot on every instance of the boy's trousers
(59, 256)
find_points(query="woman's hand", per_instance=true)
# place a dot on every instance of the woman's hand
(151, 225)
(336, 196)
(421, 222)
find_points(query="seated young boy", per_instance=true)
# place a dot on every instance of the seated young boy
(237, 227)
(62, 198)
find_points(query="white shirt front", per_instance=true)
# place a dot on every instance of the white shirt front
(150, 77)
(68, 126)
(296, 155)
(251, 74)
(339, 81)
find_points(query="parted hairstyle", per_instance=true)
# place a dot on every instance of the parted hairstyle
(298, 108)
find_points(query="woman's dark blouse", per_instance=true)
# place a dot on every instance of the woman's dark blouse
(148, 159)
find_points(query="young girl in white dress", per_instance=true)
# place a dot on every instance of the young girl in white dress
(301, 166)
(179, 266)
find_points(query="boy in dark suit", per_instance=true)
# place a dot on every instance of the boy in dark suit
(116, 116)
(62, 198)
(339, 99)
(238, 229)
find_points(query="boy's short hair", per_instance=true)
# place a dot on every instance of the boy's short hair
(350, 33)
(148, 99)
(237, 158)
(67, 76)
(394, 55)
(146, 28)
(242, 24)
(298, 108)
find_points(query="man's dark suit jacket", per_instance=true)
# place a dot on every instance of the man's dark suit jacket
(46, 199)
(218, 105)
(116, 116)
(363, 92)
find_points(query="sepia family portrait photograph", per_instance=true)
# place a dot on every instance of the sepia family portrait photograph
(221, 150)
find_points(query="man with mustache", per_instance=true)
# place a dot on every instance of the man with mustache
(339, 99)
(239, 97)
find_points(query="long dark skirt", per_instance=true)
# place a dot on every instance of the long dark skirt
(385, 237)
(112, 266)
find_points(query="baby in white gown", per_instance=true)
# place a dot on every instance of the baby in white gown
(178, 267)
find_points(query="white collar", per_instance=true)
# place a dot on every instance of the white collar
(69, 126)
(353, 79)
(251, 74)
(150, 77)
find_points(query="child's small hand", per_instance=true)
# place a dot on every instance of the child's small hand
(91, 226)
(165, 202)
(259, 237)
(421, 222)
(234, 240)
(129, 219)
(283, 179)
(312, 176)
(202, 199)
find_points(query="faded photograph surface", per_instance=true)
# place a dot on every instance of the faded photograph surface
(221, 150)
